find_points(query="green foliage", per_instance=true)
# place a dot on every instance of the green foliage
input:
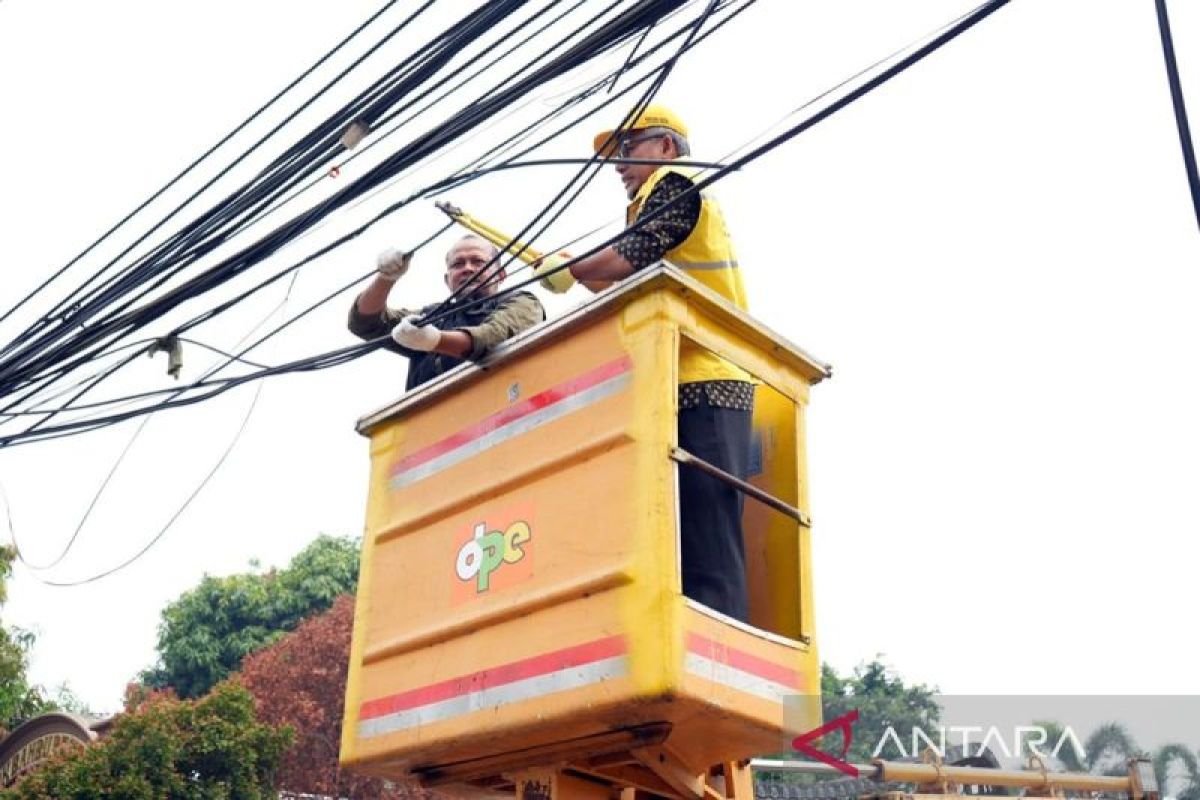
(882, 699)
(209, 749)
(207, 631)
(1054, 733)
(64, 699)
(1109, 747)
(1178, 771)
(18, 699)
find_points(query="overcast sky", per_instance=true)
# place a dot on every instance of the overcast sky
(996, 252)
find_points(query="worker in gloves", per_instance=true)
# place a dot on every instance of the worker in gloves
(716, 398)
(474, 322)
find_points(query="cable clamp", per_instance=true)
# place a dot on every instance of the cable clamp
(354, 134)
(174, 350)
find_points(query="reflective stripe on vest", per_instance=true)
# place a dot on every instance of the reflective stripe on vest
(712, 265)
(707, 255)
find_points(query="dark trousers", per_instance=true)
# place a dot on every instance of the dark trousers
(713, 553)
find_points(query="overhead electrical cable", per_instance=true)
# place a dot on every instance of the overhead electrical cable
(340, 356)
(548, 215)
(1181, 118)
(964, 24)
(200, 159)
(178, 512)
(204, 382)
(64, 306)
(378, 137)
(26, 363)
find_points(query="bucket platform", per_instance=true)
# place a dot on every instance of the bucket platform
(519, 604)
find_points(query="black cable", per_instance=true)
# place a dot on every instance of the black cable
(610, 34)
(203, 381)
(723, 20)
(629, 58)
(49, 377)
(327, 360)
(965, 23)
(1181, 118)
(87, 512)
(35, 411)
(344, 355)
(453, 181)
(595, 163)
(322, 133)
(240, 127)
(178, 512)
(69, 302)
(382, 137)
(559, 64)
(221, 352)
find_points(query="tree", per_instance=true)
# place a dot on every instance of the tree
(882, 699)
(19, 700)
(1107, 751)
(208, 749)
(207, 631)
(1178, 771)
(300, 681)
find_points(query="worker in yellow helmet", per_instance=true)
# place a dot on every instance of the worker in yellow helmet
(716, 398)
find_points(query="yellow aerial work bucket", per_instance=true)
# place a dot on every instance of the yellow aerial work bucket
(519, 601)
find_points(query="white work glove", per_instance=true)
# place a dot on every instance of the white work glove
(559, 281)
(392, 264)
(422, 338)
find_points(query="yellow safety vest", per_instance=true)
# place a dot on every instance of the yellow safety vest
(707, 255)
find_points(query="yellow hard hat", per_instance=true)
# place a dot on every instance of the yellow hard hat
(651, 117)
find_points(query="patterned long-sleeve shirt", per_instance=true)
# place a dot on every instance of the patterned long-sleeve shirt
(648, 244)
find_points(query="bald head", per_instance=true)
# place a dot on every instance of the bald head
(467, 258)
(475, 239)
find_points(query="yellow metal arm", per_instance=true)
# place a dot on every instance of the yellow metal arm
(503, 241)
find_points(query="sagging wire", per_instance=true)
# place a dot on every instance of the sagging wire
(129, 446)
(322, 137)
(222, 272)
(286, 198)
(11, 440)
(337, 357)
(186, 170)
(178, 512)
(964, 23)
(133, 440)
(498, 265)
(344, 355)
(69, 302)
(378, 136)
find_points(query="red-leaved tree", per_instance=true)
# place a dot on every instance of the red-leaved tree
(301, 681)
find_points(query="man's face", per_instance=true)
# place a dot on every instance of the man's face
(467, 258)
(640, 144)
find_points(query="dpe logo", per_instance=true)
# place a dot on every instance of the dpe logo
(489, 551)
